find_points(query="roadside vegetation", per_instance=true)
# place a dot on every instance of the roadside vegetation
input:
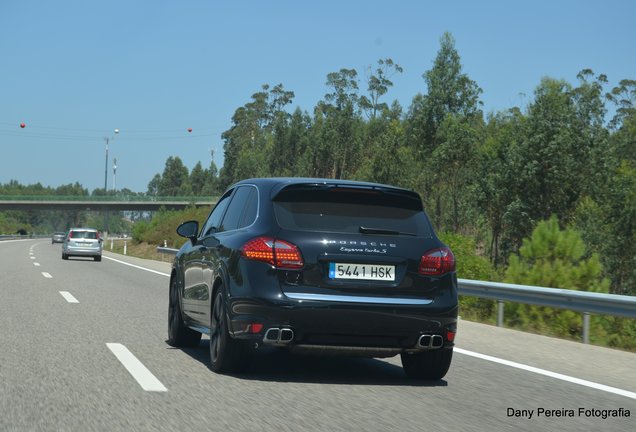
(543, 193)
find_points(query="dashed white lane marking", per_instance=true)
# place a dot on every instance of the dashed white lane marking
(47, 275)
(550, 374)
(32, 257)
(139, 372)
(69, 297)
(36, 264)
(136, 266)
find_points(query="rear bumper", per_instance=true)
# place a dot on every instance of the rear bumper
(346, 327)
(76, 251)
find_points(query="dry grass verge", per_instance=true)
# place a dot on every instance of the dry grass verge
(139, 250)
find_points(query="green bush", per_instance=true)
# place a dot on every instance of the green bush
(553, 258)
(163, 226)
(470, 265)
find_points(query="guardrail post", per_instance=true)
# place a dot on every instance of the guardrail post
(586, 328)
(111, 244)
(125, 247)
(500, 313)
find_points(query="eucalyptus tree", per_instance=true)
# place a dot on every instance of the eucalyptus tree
(496, 188)
(449, 91)
(453, 170)
(337, 127)
(175, 178)
(153, 185)
(592, 152)
(607, 219)
(548, 159)
(291, 140)
(389, 159)
(451, 97)
(378, 84)
(623, 96)
(198, 179)
(248, 143)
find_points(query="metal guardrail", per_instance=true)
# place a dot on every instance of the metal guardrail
(22, 237)
(167, 250)
(580, 301)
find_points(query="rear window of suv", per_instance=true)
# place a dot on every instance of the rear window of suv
(347, 209)
(83, 234)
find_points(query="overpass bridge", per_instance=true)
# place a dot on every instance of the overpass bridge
(102, 203)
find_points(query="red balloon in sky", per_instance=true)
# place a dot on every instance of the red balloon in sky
(22, 125)
(189, 129)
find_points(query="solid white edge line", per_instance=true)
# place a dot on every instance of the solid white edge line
(136, 266)
(69, 297)
(47, 275)
(550, 374)
(139, 372)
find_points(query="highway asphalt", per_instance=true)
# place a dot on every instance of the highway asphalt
(82, 348)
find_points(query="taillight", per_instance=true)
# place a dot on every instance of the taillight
(437, 262)
(279, 253)
(287, 255)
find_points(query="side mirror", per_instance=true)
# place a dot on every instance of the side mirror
(189, 230)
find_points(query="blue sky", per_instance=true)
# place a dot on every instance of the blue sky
(74, 71)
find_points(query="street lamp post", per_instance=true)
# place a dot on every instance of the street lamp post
(107, 139)
(115, 175)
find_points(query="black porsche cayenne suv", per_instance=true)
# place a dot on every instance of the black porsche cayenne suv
(316, 266)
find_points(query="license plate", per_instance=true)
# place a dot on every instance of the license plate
(361, 271)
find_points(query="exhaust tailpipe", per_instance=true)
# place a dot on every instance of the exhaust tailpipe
(430, 341)
(278, 336)
(286, 335)
(271, 335)
(437, 341)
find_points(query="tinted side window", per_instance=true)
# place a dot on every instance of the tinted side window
(251, 209)
(235, 210)
(212, 225)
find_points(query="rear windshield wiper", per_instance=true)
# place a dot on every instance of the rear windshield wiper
(367, 230)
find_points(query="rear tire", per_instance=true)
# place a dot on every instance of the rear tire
(227, 355)
(97, 258)
(179, 335)
(64, 256)
(427, 365)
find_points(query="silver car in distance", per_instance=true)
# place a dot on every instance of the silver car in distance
(85, 242)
